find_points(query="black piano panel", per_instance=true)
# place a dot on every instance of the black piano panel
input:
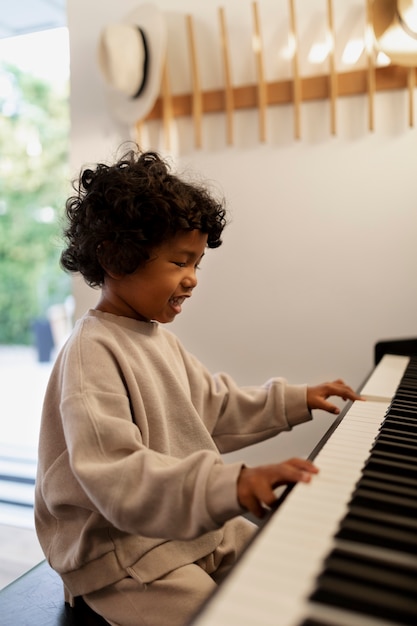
(404, 347)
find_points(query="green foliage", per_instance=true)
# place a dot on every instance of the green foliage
(34, 183)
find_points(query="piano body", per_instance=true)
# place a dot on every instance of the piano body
(342, 550)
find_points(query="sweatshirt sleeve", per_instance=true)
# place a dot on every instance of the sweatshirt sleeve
(241, 416)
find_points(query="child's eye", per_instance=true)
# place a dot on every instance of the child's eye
(180, 264)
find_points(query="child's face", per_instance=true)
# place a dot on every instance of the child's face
(157, 290)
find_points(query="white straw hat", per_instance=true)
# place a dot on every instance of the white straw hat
(395, 28)
(131, 55)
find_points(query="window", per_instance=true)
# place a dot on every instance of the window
(34, 291)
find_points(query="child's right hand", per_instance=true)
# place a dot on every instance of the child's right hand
(255, 485)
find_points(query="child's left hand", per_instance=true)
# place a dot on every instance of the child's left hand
(317, 396)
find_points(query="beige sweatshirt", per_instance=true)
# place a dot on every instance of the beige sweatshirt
(129, 469)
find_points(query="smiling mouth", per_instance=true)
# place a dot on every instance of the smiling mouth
(178, 300)
(176, 303)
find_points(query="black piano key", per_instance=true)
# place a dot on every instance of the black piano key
(389, 477)
(407, 462)
(403, 412)
(400, 428)
(382, 486)
(400, 422)
(406, 386)
(408, 381)
(342, 585)
(361, 598)
(403, 426)
(381, 534)
(391, 439)
(403, 398)
(386, 445)
(409, 378)
(383, 461)
(404, 401)
(383, 573)
(398, 445)
(382, 517)
(405, 393)
(389, 502)
(382, 464)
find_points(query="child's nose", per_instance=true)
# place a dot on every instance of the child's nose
(190, 281)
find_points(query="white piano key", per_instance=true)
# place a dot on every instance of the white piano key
(386, 377)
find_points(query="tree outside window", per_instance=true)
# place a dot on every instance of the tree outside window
(34, 183)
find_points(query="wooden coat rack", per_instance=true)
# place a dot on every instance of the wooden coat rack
(293, 91)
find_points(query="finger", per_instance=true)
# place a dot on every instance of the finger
(331, 408)
(346, 392)
(304, 464)
(290, 472)
(266, 495)
(254, 506)
(327, 406)
(341, 390)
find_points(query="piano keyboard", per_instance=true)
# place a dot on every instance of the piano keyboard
(341, 550)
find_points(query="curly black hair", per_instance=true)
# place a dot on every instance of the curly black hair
(121, 212)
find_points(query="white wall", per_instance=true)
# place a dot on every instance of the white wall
(319, 260)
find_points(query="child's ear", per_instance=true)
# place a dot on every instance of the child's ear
(111, 274)
(101, 257)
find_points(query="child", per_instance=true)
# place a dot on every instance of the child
(134, 506)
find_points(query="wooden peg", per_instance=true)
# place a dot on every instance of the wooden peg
(167, 110)
(332, 70)
(197, 100)
(369, 44)
(228, 87)
(296, 74)
(138, 133)
(411, 83)
(261, 85)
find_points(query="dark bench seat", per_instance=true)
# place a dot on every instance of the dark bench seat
(37, 599)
